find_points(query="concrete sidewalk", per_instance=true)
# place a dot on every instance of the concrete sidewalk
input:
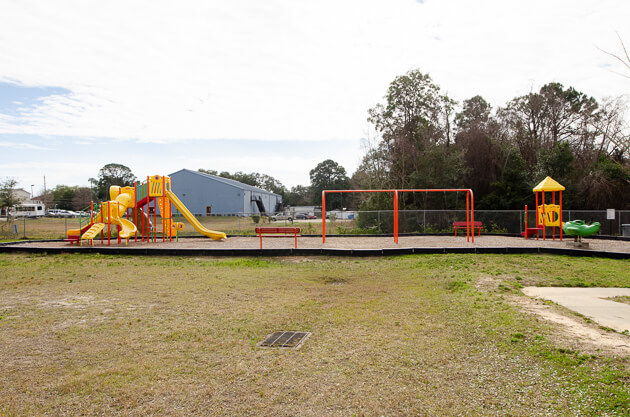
(589, 302)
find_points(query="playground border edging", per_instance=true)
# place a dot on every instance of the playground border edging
(15, 247)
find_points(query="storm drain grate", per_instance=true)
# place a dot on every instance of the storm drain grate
(291, 340)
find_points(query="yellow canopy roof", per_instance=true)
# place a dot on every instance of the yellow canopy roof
(548, 184)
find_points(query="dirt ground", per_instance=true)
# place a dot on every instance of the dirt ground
(577, 334)
(368, 242)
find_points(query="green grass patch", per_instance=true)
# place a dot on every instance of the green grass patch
(407, 335)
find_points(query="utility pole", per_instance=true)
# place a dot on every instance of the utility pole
(45, 195)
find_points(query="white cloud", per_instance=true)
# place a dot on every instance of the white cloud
(292, 70)
(23, 145)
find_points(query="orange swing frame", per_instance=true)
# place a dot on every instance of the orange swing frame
(470, 207)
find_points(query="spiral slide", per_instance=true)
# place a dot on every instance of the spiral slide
(193, 220)
(114, 210)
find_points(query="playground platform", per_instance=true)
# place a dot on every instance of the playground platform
(335, 246)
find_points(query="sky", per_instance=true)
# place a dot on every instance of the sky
(266, 86)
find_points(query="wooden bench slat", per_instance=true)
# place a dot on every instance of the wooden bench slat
(278, 232)
(463, 225)
(275, 230)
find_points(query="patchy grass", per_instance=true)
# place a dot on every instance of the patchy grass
(94, 335)
(518, 271)
(621, 299)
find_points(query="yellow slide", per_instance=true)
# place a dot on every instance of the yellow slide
(193, 221)
(115, 208)
(127, 228)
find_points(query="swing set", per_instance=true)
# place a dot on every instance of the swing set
(470, 206)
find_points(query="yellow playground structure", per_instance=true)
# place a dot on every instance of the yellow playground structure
(129, 212)
(547, 215)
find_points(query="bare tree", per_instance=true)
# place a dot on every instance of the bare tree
(612, 129)
(625, 59)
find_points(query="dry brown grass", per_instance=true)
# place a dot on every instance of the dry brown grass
(98, 335)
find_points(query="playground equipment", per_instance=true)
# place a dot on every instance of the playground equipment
(579, 229)
(470, 207)
(547, 215)
(134, 203)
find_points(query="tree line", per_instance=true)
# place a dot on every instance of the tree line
(423, 142)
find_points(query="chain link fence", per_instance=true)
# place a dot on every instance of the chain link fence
(361, 222)
(493, 221)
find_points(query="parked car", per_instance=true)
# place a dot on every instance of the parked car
(281, 216)
(67, 213)
(53, 212)
(310, 216)
(301, 216)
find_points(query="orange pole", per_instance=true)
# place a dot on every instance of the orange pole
(536, 222)
(525, 221)
(396, 216)
(163, 207)
(170, 216)
(118, 227)
(543, 216)
(561, 224)
(467, 218)
(553, 201)
(108, 224)
(135, 204)
(102, 221)
(472, 214)
(154, 218)
(323, 217)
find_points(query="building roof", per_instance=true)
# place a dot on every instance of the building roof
(227, 181)
(548, 184)
(21, 194)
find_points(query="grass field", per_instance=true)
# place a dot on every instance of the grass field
(415, 335)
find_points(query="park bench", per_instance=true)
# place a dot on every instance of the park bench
(463, 225)
(293, 232)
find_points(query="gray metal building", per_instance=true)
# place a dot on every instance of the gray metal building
(206, 194)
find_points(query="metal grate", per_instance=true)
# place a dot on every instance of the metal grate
(290, 340)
